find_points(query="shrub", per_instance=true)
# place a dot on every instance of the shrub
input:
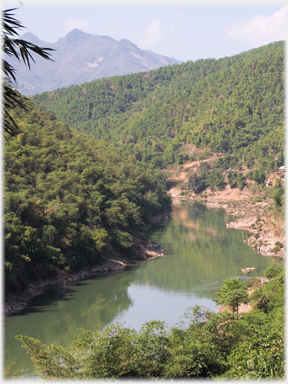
(272, 271)
(261, 356)
(196, 183)
(279, 244)
(214, 179)
(251, 282)
(278, 197)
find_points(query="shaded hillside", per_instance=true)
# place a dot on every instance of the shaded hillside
(81, 57)
(232, 105)
(68, 196)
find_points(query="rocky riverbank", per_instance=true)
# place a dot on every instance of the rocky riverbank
(15, 303)
(265, 227)
(266, 231)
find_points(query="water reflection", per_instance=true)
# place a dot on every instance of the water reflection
(200, 254)
(57, 316)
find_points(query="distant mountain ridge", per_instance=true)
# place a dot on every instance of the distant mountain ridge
(81, 57)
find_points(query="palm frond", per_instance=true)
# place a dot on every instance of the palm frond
(21, 50)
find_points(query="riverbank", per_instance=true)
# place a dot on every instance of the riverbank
(245, 308)
(266, 231)
(258, 219)
(15, 303)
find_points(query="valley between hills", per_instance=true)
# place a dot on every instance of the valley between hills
(94, 166)
(210, 130)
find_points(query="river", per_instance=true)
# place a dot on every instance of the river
(200, 253)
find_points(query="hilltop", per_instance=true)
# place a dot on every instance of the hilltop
(232, 106)
(196, 120)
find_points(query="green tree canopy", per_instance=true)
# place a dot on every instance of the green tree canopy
(232, 294)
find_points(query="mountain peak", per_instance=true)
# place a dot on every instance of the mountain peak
(81, 57)
(76, 35)
(28, 36)
(76, 32)
(124, 43)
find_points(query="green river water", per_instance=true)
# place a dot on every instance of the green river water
(200, 253)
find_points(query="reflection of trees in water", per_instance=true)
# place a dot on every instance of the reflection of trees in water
(201, 219)
(203, 250)
(111, 299)
(96, 302)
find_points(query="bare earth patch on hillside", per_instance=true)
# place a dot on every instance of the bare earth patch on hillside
(243, 308)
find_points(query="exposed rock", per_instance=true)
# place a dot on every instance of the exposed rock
(153, 251)
(243, 308)
(266, 231)
(247, 270)
(242, 223)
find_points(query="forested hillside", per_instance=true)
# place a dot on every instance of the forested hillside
(67, 197)
(83, 180)
(233, 105)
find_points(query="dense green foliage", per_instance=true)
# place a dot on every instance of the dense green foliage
(226, 345)
(259, 176)
(67, 198)
(232, 105)
(236, 179)
(197, 183)
(212, 178)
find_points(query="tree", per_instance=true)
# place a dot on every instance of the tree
(196, 183)
(21, 50)
(232, 294)
(259, 176)
(278, 197)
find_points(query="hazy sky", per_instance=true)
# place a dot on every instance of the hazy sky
(185, 30)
